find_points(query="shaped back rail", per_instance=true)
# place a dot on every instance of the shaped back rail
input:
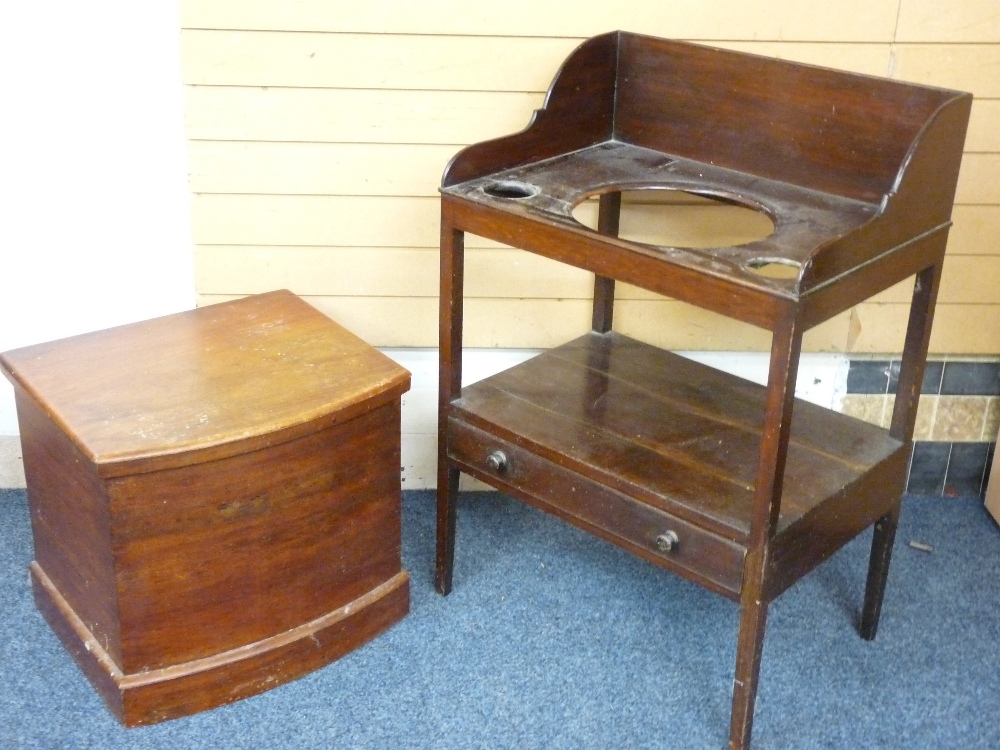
(828, 130)
(892, 145)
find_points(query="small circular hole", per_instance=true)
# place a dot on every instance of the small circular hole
(775, 268)
(510, 190)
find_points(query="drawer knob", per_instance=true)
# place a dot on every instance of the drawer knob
(497, 461)
(666, 541)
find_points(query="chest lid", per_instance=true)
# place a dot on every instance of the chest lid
(204, 384)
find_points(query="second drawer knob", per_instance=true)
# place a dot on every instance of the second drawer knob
(497, 461)
(667, 541)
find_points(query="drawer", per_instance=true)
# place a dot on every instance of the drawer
(649, 532)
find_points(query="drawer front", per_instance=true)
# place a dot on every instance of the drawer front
(649, 532)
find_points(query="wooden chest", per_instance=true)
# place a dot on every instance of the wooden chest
(214, 500)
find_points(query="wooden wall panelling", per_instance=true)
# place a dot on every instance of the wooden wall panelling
(967, 21)
(491, 273)
(359, 221)
(966, 279)
(394, 169)
(316, 271)
(371, 61)
(869, 329)
(849, 20)
(387, 272)
(254, 113)
(976, 231)
(440, 63)
(304, 163)
(958, 329)
(292, 168)
(977, 180)
(984, 126)
(967, 67)
(527, 323)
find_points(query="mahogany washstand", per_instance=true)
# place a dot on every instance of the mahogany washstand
(697, 471)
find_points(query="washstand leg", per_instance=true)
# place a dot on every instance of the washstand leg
(786, 345)
(878, 572)
(904, 415)
(449, 388)
(753, 618)
(608, 219)
(447, 503)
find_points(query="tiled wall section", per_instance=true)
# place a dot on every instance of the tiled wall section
(957, 420)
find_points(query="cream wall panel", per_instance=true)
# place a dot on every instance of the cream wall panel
(979, 179)
(802, 20)
(380, 221)
(976, 231)
(399, 272)
(969, 279)
(448, 63)
(385, 272)
(372, 61)
(353, 116)
(952, 21)
(984, 126)
(361, 221)
(315, 220)
(317, 168)
(490, 323)
(541, 324)
(675, 325)
(389, 116)
(315, 157)
(967, 67)
(965, 329)
(392, 272)
(385, 321)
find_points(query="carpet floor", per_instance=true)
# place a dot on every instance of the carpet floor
(552, 639)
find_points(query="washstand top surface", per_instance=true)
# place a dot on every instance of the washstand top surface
(848, 167)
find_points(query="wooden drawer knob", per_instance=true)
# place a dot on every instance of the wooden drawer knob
(497, 461)
(666, 541)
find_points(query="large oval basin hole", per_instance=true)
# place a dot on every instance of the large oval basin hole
(674, 218)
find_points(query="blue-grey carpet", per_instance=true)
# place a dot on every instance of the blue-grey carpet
(552, 639)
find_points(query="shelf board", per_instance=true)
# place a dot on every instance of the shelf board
(673, 433)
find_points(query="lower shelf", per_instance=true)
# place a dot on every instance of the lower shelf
(631, 442)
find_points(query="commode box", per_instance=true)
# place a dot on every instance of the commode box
(215, 499)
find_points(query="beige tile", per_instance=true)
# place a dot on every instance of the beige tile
(992, 422)
(890, 404)
(926, 410)
(866, 407)
(959, 418)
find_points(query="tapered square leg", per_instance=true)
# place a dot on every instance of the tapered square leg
(750, 645)
(449, 387)
(878, 573)
(447, 501)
